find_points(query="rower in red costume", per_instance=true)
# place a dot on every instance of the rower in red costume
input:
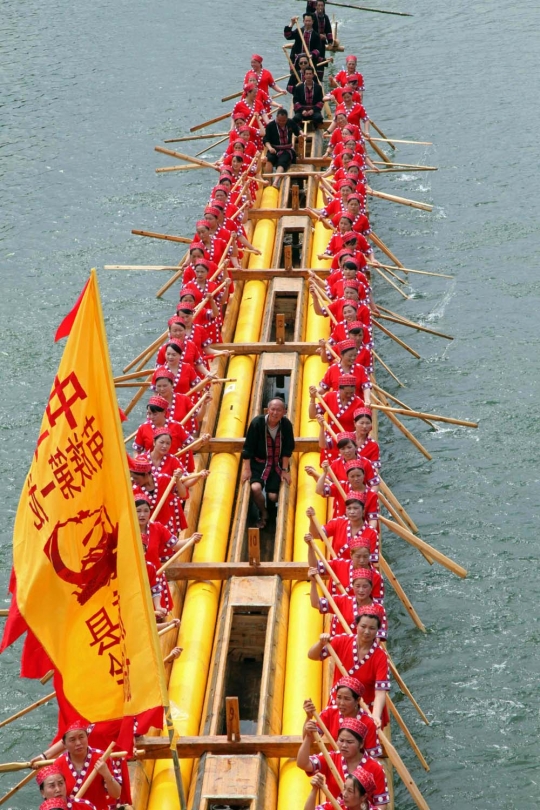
(342, 76)
(342, 403)
(158, 416)
(367, 447)
(336, 308)
(337, 93)
(78, 761)
(346, 528)
(347, 364)
(354, 111)
(357, 331)
(154, 486)
(348, 451)
(349, 605)
(355, 488)
(185, 375)
(363, 658)
(359, 548)
(180, 405)
(159, 544)
(349, 757)
(265, 80)
(52, 787)
(189, 351)
(348, 694)
(337, 281)
(194, 331)
(214, 248)
(251, 107)
(360, 222)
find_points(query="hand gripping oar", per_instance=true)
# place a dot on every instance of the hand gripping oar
(391, 752)
(328, 759)
(93, 773)
(330, 413)
(324, 537)
(331, 573)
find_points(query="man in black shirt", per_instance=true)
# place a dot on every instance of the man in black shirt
(266, 455)
(278, 141)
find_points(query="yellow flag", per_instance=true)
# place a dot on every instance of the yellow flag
(82, 585)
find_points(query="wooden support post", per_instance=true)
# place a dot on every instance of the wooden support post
(280, 328)
(232, 716)
(287, 257)
(254, 547)
(295, 195)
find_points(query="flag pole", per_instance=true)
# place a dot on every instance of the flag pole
(176, 760)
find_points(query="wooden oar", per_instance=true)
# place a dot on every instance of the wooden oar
(391, 752)
(421, 545)
(144, 267)
(388, 369)
(401, 509)
(403, 726)
(18, 786)
(137, 397)
(174, 278)
(47, 677)
(405, 689)
(133, 375)
(28, 709)
(239, 93)
(413, 325)
(393, 580)
(176, 555)
(196, 137)
(324, 537)
(323, 727)
(159, 505)
(399, 402)
(210, 122)
(331, 573)
(409, 270)
(379, 151)
(383, 136)
(420, 415)
(93, 773)
(154, 346)
(397, 340)
(401, 200)
(184, 240)
(205, 164)
(331, 798)
(332, 415)
(9, 767)
(329, 761)
(389, 281)
(365, 8)
(385, 249)
(407, 321)
(406, 432)
(190, 168)
(211, 146)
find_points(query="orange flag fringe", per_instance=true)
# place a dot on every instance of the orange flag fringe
(82, 585)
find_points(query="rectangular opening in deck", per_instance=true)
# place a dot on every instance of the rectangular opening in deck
(294, 238)
(228, 804)
(243, 673)
(301, 184)
(285, 303)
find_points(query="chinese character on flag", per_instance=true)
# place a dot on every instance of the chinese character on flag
(81, 582)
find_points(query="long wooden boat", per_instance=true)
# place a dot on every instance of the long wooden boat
(238, 687)
(246, 619)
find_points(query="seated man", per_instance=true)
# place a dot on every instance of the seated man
(278, 141)
(308, 100)
(266, 455)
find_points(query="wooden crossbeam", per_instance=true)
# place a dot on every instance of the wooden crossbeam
(276, 213)
(266, 275)
(222, 571)
(303, 445)
(194, 747)
(260, 348)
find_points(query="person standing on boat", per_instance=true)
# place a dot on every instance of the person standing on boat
(308, 100)
(266, 455)
(311, 38)
(342, 77)
(265, 80)
(278, 141)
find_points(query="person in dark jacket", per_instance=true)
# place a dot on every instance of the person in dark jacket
(278, 141)
(322, 26)
(311, 38)
(308, 100)
(266, 455)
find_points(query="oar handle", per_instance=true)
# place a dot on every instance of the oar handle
(92, 775)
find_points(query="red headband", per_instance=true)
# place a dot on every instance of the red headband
(347, 379)
(352, 724)
(48, 770)
(362, 573)
(344, 345)
(366, 779)
(362, 412)
(351, 683)
(139, 464)
(158, 402)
